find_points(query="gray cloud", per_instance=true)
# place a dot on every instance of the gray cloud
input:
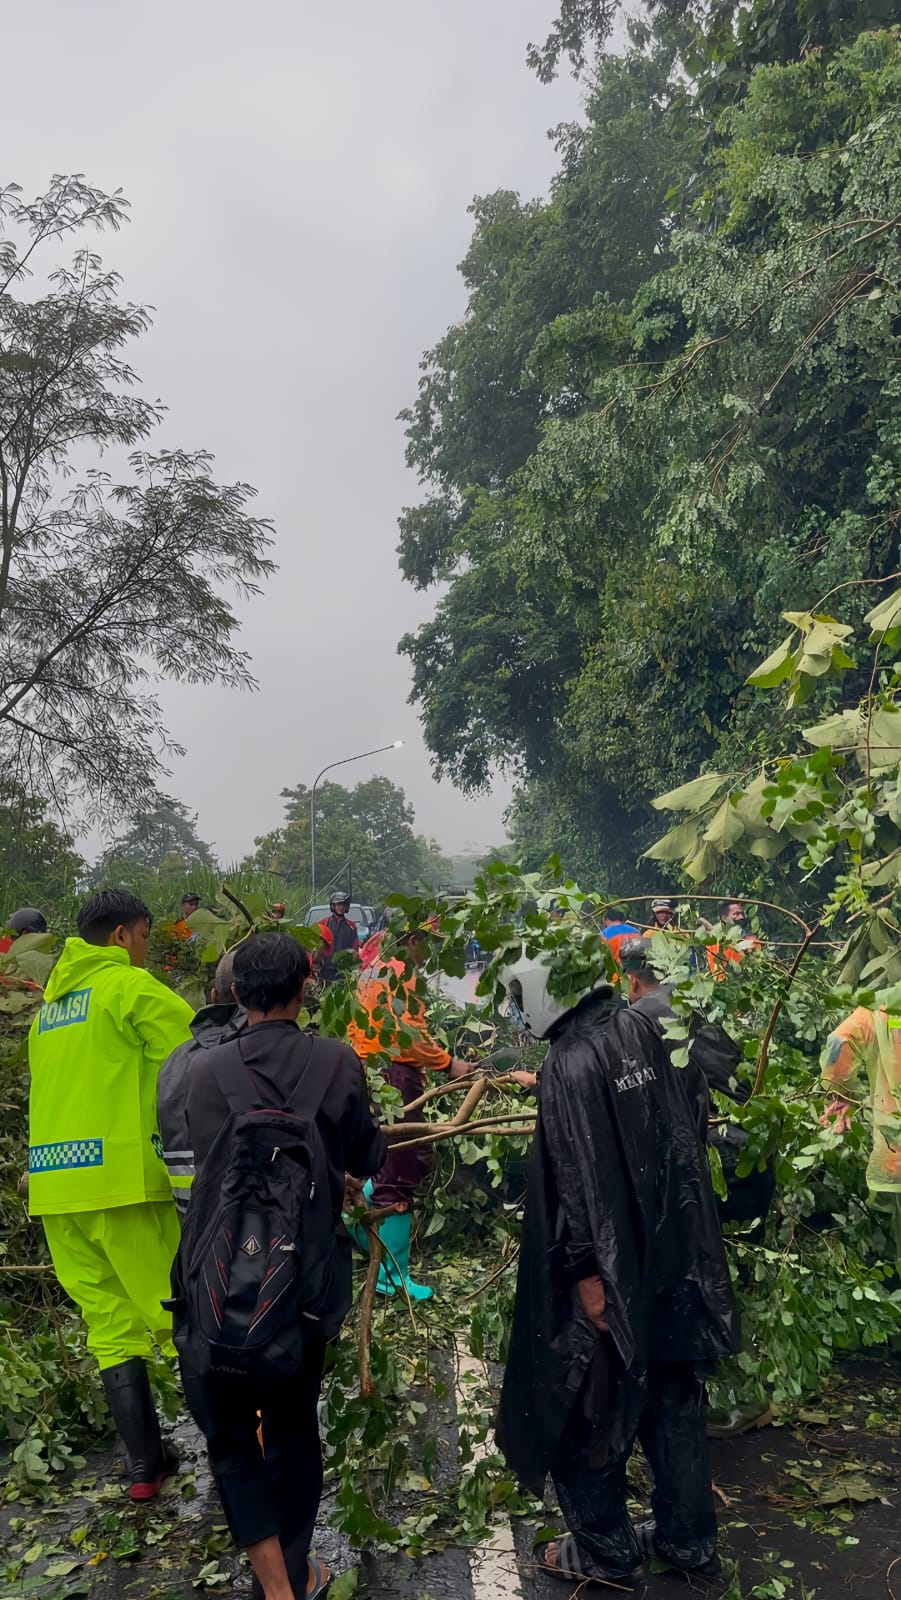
(299, 178)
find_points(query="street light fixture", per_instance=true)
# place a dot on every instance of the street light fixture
(347, 759)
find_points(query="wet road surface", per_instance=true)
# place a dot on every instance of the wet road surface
(790, 1498)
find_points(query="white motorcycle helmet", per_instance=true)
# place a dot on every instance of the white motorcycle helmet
(526, 982)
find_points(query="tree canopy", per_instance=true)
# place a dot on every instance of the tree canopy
(39, 864)
(671, 410)
(105, 583)
(365, 843)
(161, 844)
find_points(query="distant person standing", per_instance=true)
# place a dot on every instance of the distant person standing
(26, 920)
(337, 933)
(732, 915)
(412, 1050)
(616, 929)
(663, 914)
(96, 1175)
(180, 930)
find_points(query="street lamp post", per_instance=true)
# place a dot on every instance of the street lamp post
(347, 759)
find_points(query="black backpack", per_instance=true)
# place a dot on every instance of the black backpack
(258, 1249)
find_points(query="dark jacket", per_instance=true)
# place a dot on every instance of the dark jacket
(277, 1054)
(619, 1187)
(212, 1025)
(338, 933)
(717, 1058)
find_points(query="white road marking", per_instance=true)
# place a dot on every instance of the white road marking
(492, 1564)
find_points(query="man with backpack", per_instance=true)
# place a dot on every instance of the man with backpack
(262, 1281)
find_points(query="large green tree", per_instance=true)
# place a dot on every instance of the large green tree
(39, 864)
(161, 844)
(105, 583)
(721, 436)
(364, 842)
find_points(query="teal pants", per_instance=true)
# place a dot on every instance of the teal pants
(115, 1265)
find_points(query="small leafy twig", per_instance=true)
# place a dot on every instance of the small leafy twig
(493, 1278)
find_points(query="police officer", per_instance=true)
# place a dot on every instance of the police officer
(96, 1175)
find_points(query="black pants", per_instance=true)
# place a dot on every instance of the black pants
(673, 1436)
(275, 1490)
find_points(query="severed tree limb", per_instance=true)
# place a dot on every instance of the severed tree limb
(520, 1130)
(469, 1104)
(367, 1308)
(367, 1298)
(770, 1028)
(440, 1089)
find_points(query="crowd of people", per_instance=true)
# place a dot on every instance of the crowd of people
(192, 1171)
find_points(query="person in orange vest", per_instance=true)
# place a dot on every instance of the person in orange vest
(397, 1182)
(616, 929)
(731, 914)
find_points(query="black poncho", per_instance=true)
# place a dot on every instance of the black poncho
(618, 1185)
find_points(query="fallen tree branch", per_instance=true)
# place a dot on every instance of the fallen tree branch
(451, 1087)
(770, 1028)
(476, 1130)
(367, 1309)
(469, 1104)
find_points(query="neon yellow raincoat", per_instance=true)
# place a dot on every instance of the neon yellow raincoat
(95, 1050)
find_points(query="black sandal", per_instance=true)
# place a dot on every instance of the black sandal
(566, 1565)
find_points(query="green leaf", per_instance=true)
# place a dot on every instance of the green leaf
(842, 730)
(717, 1176)
(767, 846)
(776, 668)
(691, 796)
(344, 1585)
(702, 863)
(882, 740)
(675, 844)
(884, 621)
(726, 827)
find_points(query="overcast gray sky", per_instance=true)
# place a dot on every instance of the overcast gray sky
(299, 176)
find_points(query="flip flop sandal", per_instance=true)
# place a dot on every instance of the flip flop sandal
(566, 1565)
(322, 1584)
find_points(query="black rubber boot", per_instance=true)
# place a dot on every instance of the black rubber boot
(148, 1459)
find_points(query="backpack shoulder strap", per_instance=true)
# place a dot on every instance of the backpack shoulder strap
(310, 1092)
(233, 1077)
